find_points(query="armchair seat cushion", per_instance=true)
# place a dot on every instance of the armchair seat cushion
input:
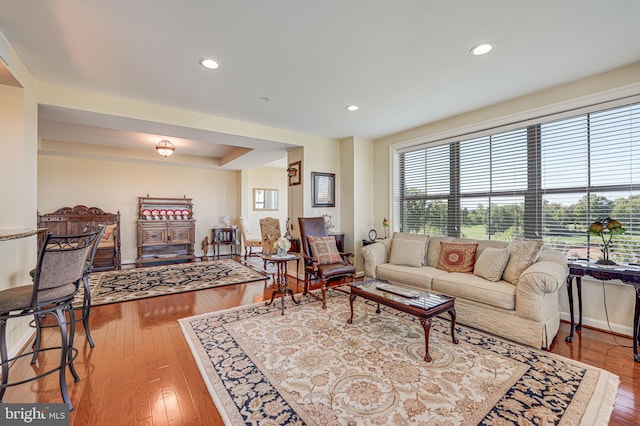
(334, 270)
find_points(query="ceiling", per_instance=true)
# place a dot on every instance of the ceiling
(296, 64)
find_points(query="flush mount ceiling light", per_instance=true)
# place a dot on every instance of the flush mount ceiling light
(352, 108)
(210, 63)
(481, 49)
(165, 148)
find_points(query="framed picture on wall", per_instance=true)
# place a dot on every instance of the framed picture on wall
(323, 189)
(295, 173)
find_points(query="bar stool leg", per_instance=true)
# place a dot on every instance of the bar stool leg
(38, 340)
(86, 310)
(3, 354)
(64, 354)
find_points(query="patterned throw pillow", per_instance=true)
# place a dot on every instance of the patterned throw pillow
(457, 257)
(324, 250)
(522, 255)
(108, 232)
(407, 252)
(491, 262)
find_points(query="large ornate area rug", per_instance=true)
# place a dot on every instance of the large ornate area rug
(310, 367)
(130, 284)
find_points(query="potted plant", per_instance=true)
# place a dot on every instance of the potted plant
(282, 246)
(606, 228)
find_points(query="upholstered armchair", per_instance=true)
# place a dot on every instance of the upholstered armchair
(270, 232)
(322, 259)
(248, 239)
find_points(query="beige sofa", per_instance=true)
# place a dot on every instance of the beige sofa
(521, 304)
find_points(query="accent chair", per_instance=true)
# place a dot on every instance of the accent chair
(322, 259)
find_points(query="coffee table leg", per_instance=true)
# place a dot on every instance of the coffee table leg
(351, 299)
(454, 339)
(378, 310)
(426, 324)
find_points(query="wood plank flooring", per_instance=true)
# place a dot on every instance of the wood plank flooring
(141, 371)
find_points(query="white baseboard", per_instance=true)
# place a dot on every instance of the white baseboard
(600, 325)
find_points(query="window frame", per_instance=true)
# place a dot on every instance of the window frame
(534, 193)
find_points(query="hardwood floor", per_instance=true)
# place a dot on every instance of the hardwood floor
(141, 371)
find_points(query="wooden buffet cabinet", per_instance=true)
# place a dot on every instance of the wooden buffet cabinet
(166, 230)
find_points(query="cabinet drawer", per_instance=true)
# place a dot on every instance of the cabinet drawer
(152, 236)
(180, 234)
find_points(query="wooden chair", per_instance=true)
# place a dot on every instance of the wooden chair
(317, 266)
(270, 232)
(248, 239)
(60, 268)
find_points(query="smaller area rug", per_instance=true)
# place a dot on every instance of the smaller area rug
(139, 283)
(310, 367)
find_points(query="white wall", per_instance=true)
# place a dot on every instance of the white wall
(607, 86)
(270, 178)
(323, 158)
(115, 185)
(356, 202)
(18, 141)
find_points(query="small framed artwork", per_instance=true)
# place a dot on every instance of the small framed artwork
(323, 189)
(294, 172)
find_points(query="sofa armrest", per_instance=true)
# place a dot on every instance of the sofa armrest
(373, 255)
(538, 286)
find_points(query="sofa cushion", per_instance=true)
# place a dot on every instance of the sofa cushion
(464, 241)
(324, 250)
(491, 262)
(457, 257)
(522, 255)
(414, 237)
(500, 294)
(433, 250)
(416, 277)
(483, 244)
(407, 252)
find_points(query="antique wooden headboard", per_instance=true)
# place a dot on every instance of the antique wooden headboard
(71, 220)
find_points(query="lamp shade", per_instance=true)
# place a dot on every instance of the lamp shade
(165, 148)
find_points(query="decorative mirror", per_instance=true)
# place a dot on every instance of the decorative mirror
(265, 199)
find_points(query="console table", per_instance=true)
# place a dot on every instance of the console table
(628, 275)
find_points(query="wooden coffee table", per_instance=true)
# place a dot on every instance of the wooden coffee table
(422, 304)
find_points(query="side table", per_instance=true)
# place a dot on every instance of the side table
(280, 278)
(339, 236)
(224, 237)
(628, 275)
(367, 242)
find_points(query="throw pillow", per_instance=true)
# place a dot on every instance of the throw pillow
(324, 250)
(522, 255)
(433, 251)
(457, 257)
(491, 263)
(108, 232)
(407, 252)
(415, 237)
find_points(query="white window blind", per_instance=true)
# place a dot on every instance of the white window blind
(547, 180)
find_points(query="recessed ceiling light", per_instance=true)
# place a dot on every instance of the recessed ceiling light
(209, 63)
(352, 107)
(481, 49)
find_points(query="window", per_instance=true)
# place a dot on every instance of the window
(546, 180)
